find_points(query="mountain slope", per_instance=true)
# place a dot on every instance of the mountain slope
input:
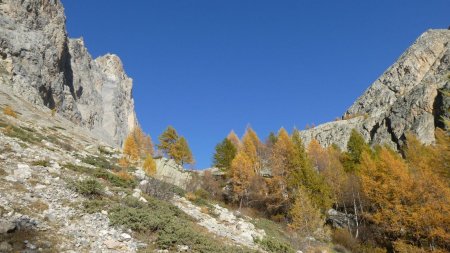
(406, 98)
(41, 64)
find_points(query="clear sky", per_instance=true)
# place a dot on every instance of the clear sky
(208, 66)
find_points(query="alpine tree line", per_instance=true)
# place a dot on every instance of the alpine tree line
(400, 201)
(138, 149)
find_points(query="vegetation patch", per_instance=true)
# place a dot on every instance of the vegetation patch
(43, 163)
(8, 110)
(100, 162)
(168, 223)
(89, 187)
(23, 134)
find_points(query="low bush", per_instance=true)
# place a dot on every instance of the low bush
(43, 163)
(170, 226)
(161, 190)
(343, 238)
(100, 162)
(89, 187)
(272, 244)
(95, 205)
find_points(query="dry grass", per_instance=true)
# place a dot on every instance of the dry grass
(190, 196)
(124, 175)
(38, 206)
(8, 110)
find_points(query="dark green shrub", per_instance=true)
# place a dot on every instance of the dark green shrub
(43, 163)
(89, 187)
(100, 162)
(97, 205)
(271, 244)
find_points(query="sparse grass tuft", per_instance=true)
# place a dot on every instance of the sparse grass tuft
(8, 110)
(43, 163)
(24, 134)
(100, 162)
(38, 206)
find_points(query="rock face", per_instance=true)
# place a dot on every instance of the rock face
(406, 98)
(40, 63)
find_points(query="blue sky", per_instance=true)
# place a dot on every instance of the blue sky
(206, 66)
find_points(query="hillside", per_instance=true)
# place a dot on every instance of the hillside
(75, 175)
(406, 98)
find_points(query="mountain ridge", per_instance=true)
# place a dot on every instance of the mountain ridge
(43, 65)
(405, 98)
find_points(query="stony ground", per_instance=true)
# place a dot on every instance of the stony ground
(38, 197)
(222, 222)
(41, 212)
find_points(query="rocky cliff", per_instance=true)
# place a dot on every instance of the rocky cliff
(40, 63)
(406, 98)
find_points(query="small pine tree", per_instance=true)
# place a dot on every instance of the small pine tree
(355, 147)
(167, 141)
(224, 155)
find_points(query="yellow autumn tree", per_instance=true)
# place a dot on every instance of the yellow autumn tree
(430, 208)
(306, 220)
(149, 166)
(143, 142)
(242, 173)
(387, 184)
(232, 136)
(281, 165)
(250, 145)
(130, 148)
(317, 155)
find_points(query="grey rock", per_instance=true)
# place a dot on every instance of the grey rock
(42, 65)
(23, 172)
(6, 247)
(406, 98)
(7, 226)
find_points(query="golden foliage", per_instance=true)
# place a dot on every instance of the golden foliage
(124, 163)
(232, 136)
(130, 148)
(242, 172)
(123, 174)
(149, 166)
(281, 165)
(305, 219)
(8, 110)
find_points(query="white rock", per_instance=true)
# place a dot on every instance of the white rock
(125, 236)
(23, 172)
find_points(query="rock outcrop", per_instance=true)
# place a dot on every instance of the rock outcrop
(41, 64)
(406, 98)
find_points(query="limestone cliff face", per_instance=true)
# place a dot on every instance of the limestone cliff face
(406, 98)
(41, 64)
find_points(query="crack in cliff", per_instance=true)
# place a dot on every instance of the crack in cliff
(440, 107)
(394, 138)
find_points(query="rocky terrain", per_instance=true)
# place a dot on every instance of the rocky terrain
(41, 211)
(45, 67)
(406, 98)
